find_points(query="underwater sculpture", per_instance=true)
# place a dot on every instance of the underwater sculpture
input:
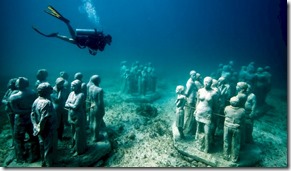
(5, 100)
(233, 128)
(44, 120)
(250, 108)
(180, 104)
(97, 109)
(236, 147)
(206, 105)
(21, 104)
(77, 117)
(58, 97)
(190, 92)
(41, 76)
(27, 152)
(138, 82)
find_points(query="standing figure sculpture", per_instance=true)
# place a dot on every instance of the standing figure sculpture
(180, 104)
(58, 98)
(206, 106)
(77, 117)
(41, 76)
(97, 109)
(233, 127)
(44, 120)
(21, 103)
(5, 100)
(190, 92)
(250, 108)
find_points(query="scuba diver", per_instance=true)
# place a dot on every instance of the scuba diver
(83, 38)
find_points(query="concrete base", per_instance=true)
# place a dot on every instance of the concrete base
(249, 155)
(93, 154)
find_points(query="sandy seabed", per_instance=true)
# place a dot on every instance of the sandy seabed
(146, 141)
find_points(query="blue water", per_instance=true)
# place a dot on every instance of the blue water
(176, 36)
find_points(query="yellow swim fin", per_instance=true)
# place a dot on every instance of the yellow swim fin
(53, 12)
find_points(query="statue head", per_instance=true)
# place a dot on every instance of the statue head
(64, 75)
(78, 76)
(44, 89)
(41, 74)
(76, 86)
(60, 82)
(95, 79)
(21, 83)
(11, 84)
(207, 82)
(241, 86)
(234, 101)
(180, 89)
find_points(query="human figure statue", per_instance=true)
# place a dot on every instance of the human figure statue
(225, 93)
(77, 117)
(262, 86)
(234, 119)
(58, 99)
(241, 90)
(143, 82)
(226, 72)
(44, 120)
(123, 68)
(206, 106)
(250, 75)
(242, 74)
(5, 100)
(97, 109)
(79, 76)
(190, 93)
(41, 76)
(21, 103)
(65, 76)
(126, 82)
(180, 104)
(153, 80)
(250, 108)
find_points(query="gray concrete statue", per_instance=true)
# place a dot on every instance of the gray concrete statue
(180, 104)
(97, 109)
(41, 76)
(233, 124)
(21, 103)
(5, 100)
(44, 120)
(250, 108)
(58, 98)
(190, 92)
(77, 117)
(206, 106)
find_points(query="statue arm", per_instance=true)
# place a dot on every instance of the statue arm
(78, 103)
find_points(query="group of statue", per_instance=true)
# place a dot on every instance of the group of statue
(138, 79)
(223, 105)
(43, 112)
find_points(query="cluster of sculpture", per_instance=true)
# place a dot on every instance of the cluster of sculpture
(223, 107)
(138, 79)
(44, 112)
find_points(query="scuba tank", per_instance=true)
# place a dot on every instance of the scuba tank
(85, 32)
